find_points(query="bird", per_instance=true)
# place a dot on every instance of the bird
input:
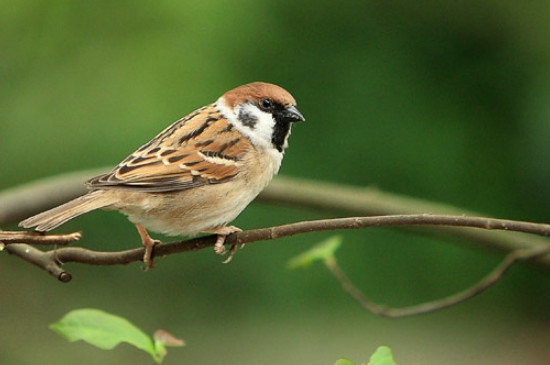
(198, 174)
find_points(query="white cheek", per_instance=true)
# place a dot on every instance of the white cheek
(262, 131)
(260, 135)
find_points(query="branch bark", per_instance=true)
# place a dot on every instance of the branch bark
(36, 238)
(23, 201)
(366, 201)
(52, 261)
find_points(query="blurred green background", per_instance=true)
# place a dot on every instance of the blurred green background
(446, 101)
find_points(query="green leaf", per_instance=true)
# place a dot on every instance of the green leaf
(323, 251)
(382, 356)
(102, 330)
(344, 362)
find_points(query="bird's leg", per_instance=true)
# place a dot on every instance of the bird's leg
(148, 243)
(223, 232)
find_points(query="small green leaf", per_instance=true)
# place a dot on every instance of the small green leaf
(323, 251)
(344, 362)
(102, 330)
(382, 356)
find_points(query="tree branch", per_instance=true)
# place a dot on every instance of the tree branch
(51, 261)
(366, 201)
(26, 200)
(490, 279)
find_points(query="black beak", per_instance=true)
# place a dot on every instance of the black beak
(291, 115)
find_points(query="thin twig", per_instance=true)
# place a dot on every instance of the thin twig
(45, 260)
(36, 238)
(381, 310)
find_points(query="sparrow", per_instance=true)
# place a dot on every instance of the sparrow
(198, 174)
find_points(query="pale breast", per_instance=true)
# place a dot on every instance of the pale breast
(188, 212)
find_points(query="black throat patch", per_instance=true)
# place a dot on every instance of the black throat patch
(280, 133)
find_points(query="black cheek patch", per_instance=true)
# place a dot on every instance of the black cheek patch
(247, 119)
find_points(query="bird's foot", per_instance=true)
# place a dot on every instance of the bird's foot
(148, 258)
(222, 233)
(149, 244)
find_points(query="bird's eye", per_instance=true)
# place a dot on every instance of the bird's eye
(266, 104)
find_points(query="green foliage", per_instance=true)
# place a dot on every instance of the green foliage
(105, 331)
(446, 101)
(323, 251)
(382, 356)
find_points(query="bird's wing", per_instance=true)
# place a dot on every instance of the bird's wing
(201, 148)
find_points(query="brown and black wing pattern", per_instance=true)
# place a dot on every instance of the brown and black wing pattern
(201, 148)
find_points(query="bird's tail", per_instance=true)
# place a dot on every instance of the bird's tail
(55, 217)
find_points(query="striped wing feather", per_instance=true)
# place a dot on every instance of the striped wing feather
(201, 148)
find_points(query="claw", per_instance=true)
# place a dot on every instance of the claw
(232, 253)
